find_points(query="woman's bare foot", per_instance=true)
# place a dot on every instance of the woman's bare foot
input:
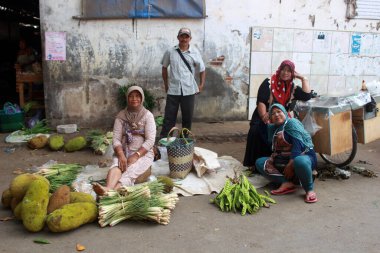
(99, 189)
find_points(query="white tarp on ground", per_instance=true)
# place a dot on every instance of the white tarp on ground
(211, 181)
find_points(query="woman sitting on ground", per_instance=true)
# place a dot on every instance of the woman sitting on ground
(293, 159)
(134, 133)
(281, 89)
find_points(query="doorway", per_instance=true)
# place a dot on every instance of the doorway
(20, 51)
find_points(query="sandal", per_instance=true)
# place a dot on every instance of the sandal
(311, 197)
(283, 191)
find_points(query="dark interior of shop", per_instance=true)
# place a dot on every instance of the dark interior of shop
(19, 21)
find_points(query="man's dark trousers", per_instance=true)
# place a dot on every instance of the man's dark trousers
(173, 102)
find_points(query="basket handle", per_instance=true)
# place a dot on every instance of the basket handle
(172, 130)
(188, 132)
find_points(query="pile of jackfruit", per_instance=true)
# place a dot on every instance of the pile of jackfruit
(56, 142)
(29, 198)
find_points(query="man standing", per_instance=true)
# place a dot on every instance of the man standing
(181, 89)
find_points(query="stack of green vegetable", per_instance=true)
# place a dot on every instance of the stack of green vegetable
(60, 174)
(39, 128)
(145, 201)
(99, 141)
(238, 194)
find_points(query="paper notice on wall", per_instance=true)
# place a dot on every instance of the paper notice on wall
(356, 43)
(55, 46)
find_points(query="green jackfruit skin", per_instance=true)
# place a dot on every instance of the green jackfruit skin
(56, 142)
(17, 211)
(6, 198)
(72, 216)
(34, 205)
(20, 184)
(76, 197)
(75, 144)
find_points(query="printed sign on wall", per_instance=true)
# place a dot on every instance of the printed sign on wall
(55, 46)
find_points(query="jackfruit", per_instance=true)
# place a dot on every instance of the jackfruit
(59, 198)
(38, 142)
(56, 142)
(20, 184)
(75, 144)
(6, 198)
(76, 197)
(34, 205)
(17, 211)
(14, 203)
(72, 216)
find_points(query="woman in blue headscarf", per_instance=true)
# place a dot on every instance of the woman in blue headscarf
(293, 158)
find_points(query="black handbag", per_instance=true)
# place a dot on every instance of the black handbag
(280, 162)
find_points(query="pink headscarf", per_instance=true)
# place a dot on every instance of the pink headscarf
(282, 90)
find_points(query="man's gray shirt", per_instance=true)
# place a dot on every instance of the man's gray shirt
(180, 75)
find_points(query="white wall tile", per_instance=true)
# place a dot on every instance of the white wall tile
(336, 86)
(303, 41)
(338, 64)
(319, 84)
(340, 43)
(255, 83)
(278, 57)
(251, 107)
(322, 41)
(353, 84)
(371, 66)
(283, 40)
(320, 64)
(261, 63)
(302, 62)
(262, 39)
(356, 66)
(298, 81)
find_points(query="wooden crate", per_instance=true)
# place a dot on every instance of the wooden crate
(367, 129)
(335, 136)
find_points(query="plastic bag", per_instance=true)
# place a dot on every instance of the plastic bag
(310, 125)
(11, 109)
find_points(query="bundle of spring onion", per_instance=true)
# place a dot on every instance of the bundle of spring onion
(60, 174)
(99, 141)
(238, 194)
(140, 202)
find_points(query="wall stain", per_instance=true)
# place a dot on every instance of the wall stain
(312, 20)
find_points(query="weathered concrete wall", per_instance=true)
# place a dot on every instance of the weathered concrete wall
(104, 54)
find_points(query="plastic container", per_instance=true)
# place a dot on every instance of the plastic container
(67, 129)
(11, 122)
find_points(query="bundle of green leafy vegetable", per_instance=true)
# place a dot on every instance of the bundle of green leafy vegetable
(99, 141)
(60, 174)
(39, 128)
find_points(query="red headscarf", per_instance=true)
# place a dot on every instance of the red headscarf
(282, 90)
